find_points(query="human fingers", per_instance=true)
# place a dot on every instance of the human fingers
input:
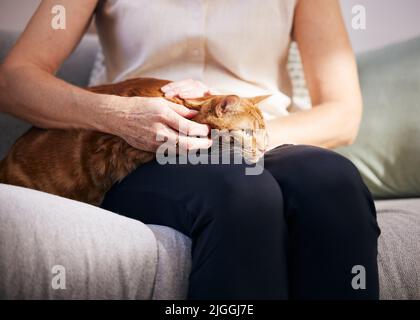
(182, 110)
(185, 126)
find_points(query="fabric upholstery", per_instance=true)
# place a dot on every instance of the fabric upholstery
(108, 256)
(174, 263)
(399, 248)
(105, 256)
(387, 150)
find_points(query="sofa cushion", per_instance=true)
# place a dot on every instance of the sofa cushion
(174, 264)
(387, 150)
(113, 257)
(105, 255)
(399, 248)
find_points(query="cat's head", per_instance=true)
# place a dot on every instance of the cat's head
(239, 120)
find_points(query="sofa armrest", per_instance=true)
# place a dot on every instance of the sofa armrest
(105, 255)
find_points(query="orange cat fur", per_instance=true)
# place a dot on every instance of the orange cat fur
(83, 165)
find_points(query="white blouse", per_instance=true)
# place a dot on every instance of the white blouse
(233, 46)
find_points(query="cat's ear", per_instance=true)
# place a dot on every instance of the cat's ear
(195, 103)
(226, 104)
(259, 99)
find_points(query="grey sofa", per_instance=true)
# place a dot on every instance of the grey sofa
(106, 256)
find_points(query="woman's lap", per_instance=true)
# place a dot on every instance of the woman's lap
(226, 213)
(183, 189)
(154, 188)
(310, 199)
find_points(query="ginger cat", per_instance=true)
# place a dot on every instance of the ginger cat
(83, 165)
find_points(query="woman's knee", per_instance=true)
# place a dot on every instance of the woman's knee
(325, 189)
(238, 200)
(313, 170)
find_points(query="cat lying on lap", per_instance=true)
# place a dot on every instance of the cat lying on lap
(83, 165)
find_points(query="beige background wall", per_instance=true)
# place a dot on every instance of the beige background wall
(388, 21)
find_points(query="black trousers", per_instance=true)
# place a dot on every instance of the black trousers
(293, 232)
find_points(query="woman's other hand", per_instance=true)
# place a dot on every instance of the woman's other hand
(186, 89)
(143, 122)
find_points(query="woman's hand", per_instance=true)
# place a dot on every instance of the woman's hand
(143, 122)
(186, 89)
